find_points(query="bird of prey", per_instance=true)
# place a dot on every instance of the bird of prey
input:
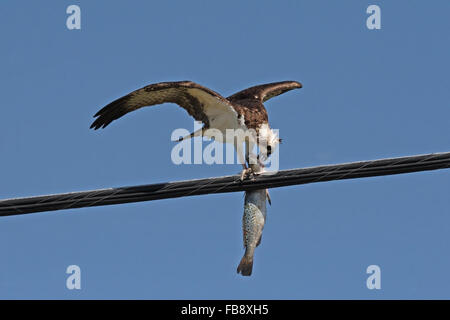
(243, 110)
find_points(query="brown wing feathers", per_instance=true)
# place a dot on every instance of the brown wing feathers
(265, 91)
(191, 100)
(175, 92)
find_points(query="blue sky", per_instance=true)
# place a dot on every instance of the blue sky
(367, 94)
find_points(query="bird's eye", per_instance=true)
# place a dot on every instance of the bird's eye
(269, 150)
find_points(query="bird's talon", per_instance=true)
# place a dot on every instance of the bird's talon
(246, 173)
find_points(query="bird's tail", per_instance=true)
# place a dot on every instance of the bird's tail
(246, 266)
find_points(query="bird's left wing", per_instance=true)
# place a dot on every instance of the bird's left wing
(200, 102)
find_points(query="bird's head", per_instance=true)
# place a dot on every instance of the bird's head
(268, 142)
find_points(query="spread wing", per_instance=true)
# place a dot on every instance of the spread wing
(265, 91)
(200, 102)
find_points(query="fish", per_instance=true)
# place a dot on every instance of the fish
(253, 222)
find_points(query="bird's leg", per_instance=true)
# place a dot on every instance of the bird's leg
(254, 167)
(247, 171)
(260, 164)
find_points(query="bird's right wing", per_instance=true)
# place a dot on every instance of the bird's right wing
(200, 102)
(265, 91)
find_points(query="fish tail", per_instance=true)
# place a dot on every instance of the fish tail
(246, 266)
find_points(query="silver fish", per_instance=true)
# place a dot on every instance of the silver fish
(252, 224)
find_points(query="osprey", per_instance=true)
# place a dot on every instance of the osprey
(243, 110)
